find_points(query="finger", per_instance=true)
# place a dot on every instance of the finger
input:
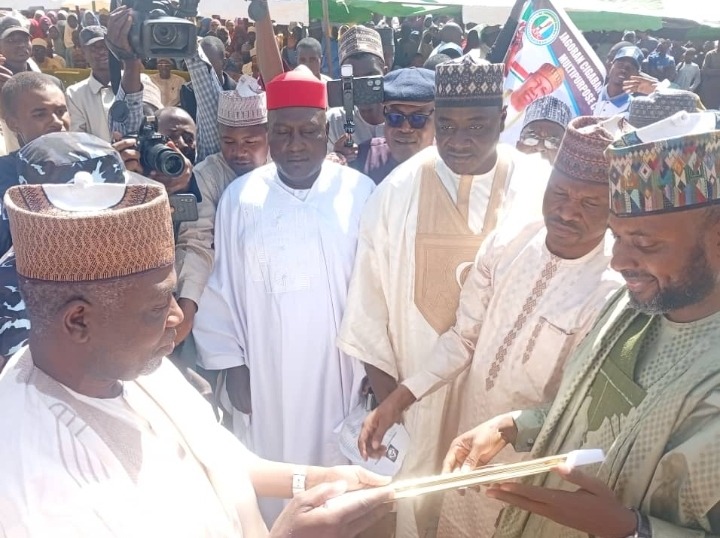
(452, 460)
(5, 71)
(379, 433)
(366, 521)
(125, 143)
(322, 493)
(368, 478)
(355, 504)
(480, 454)
(519, 501)
(534, 493)
(363, 438)
(584, 480)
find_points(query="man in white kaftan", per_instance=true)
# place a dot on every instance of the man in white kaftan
(103, 436)
(526, 304)
(421, 231)
(284, 253)
(95, 464)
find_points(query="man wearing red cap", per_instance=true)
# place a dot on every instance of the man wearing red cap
(285, 241)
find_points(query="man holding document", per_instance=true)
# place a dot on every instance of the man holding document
(643, 386)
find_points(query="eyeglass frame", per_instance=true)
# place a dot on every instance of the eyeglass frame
(548, 142)
(406, 118)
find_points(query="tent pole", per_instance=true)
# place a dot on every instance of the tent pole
(327, 32)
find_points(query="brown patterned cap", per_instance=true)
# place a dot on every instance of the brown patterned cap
(582, 150)
(360, 39)
(89, 232)
(469, 82)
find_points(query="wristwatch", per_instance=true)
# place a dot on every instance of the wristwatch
(643, 529)
(298, 480)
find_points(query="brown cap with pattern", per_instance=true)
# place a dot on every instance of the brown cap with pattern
(582, 150)
(82, 233)
(360, 39)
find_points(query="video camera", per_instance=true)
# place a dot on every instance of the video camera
(160, 28)
(349, 92)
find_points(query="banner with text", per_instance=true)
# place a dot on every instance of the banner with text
(549, 56)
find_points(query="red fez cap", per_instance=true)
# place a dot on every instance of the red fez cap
(296, 88)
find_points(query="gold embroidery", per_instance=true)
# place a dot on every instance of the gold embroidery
(444, 241)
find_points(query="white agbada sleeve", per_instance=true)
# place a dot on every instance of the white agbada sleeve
(218, 331)
(364, 330)
(455, 349)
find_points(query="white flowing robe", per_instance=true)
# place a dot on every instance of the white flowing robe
(382, 325)
(274, 303)
(150, 462)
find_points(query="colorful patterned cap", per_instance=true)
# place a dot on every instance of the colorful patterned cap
(244, 106)
(661, 104)
(360, 39)
(84, 232)
(468, 82)
(670, 165)
(548, 108)
(57, 157)
(582, 151)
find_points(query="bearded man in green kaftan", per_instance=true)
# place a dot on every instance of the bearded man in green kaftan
(644, 385)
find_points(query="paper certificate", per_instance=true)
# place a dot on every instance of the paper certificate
(493, 473)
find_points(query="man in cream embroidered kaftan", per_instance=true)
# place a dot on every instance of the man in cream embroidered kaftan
(530, 297)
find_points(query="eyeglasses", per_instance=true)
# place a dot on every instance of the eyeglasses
(397, 120)
(532, 140)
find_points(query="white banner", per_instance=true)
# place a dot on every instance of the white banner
(549, 56)
(281, 11)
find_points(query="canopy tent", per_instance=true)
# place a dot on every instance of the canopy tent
(588, 15)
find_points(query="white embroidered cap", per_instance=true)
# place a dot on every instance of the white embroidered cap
(244, 106)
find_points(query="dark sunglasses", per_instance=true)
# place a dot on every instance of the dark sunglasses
(416, 121)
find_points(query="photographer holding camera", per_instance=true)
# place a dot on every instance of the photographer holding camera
(361, 48)
(143, 148)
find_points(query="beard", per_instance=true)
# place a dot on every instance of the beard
(698, 282)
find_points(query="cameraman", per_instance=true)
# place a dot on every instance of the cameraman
(129, 100)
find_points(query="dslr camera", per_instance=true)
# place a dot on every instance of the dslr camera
(160, 28)
(155, 154)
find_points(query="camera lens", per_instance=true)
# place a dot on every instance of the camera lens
(171, 163)
(165, 160)
(164, 35)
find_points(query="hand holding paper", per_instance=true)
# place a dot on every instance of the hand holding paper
(592, 509)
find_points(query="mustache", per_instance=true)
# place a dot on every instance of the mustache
(567, 223)
(635, 275)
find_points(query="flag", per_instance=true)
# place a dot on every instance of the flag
(549, 56)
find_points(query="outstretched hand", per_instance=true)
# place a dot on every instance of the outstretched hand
(592, 508)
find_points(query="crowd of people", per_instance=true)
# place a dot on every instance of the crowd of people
(181, 345)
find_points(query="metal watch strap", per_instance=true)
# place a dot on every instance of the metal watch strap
(643, 529)
(298, 480)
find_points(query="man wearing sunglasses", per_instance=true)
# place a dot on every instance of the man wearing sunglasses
(543, 127)
(409, 127)
(421, 231)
